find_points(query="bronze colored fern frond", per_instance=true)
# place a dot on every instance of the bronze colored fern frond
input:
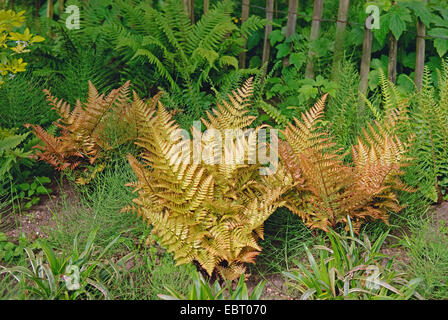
(84, 130)
(326, 189)
(207, 212)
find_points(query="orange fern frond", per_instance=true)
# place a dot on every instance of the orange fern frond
(85, 131)
(211, 213)
(327, 190)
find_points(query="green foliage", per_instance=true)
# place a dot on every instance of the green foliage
(11, 252)
(12, 157)
(350, 269)
(203, 290)
(22, 101)
(287, 92)
(28, 194)
(78, 275)
(428, 256)
(423, 118)
(295, 93)
(148, 272)
(11, 154)
(184, 59)
(342, 115)
(395, 20)
(430, 117)
(19, 184)
(285, 236)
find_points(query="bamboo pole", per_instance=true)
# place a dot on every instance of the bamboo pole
(393, 48)
(420, 53)
(315, 28)
(365, 66)
(244, 17)
(192, 11)
(339, 42)
(61, 7)
(268, 30)
(293, 6)
(392, 67)
(206, 6)
(50, 9)
(187, 6)
(37, 8)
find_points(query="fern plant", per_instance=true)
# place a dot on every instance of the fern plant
(72, 58)
(209, 213)
(17, 108)
(84, 129)
(342, 114)
(184, 59)
(326, 190)
(430, 119)
(424, 117)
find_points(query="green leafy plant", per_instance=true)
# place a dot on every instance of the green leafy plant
(20, 186)
(287, 94)
(423, 118)
(9, 251)
(10, 152)
(201, 289)
(342, 116)
(296, 92)
(13, 159)
(28, 194)
(17, 108)
(430, 126)
(350, 268)
(427, 252)
(77, 275)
